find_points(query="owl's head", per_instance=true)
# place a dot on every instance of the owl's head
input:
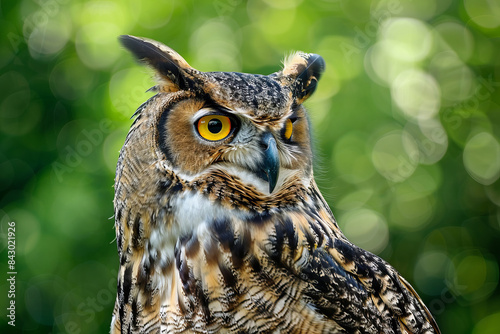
(251, 126)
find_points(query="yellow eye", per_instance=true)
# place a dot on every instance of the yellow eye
(214, 127)
(288, 129)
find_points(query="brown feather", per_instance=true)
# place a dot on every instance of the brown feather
(206, 247)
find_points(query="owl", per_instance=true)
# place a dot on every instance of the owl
(220, 226)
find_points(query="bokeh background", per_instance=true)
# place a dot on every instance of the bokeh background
(406, 124)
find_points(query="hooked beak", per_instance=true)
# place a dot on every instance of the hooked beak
(270, 165)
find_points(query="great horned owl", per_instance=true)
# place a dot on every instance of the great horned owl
(220, 225)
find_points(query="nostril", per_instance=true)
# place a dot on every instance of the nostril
(267, 140)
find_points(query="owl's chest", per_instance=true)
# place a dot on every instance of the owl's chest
(188, 214)
(221, 274)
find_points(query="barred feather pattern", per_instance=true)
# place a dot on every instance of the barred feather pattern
(232, 235)
(278, 264)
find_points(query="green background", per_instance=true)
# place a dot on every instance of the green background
(406, 122)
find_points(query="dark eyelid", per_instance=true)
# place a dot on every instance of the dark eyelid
(294, 116)
(216, 107)
(221, 112)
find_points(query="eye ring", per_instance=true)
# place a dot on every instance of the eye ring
(288, 129)
(214, 127)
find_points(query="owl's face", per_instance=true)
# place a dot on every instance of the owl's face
(253, 127)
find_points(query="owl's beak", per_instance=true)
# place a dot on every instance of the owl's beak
(270, 165)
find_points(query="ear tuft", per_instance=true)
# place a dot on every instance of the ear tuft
(302, 71)
(173, 71)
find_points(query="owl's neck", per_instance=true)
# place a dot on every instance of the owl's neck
(186, 206)
(207, 195)
(180, 206)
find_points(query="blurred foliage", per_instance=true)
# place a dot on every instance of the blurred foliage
(406, 123)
